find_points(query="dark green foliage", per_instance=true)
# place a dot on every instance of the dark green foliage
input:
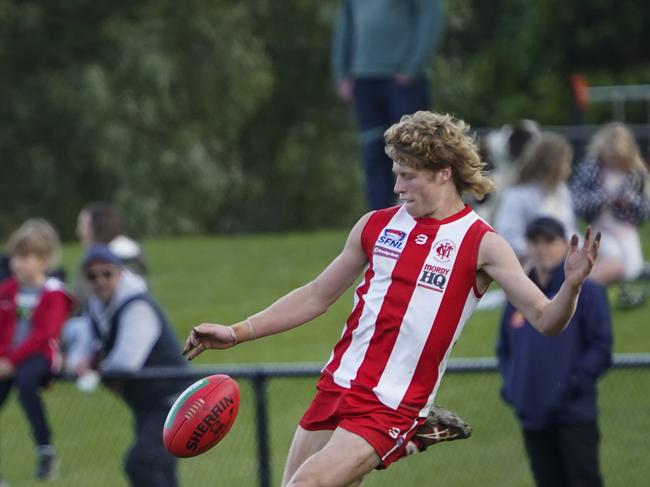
(219, 115)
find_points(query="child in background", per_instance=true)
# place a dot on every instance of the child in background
(611, 191)
(33, 308)
(540, 190)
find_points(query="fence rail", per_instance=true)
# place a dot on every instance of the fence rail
(311, 369)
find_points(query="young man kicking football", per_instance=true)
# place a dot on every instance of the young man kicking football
(425, 264)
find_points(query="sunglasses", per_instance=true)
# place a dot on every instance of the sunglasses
(106, 274)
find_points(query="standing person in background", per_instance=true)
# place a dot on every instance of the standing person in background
(381, 52)
(130, 332)
(101, 222)
(33, 308)
(540, 189)
(551, 381)
(611, 191)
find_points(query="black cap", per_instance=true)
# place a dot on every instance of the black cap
(545, 226)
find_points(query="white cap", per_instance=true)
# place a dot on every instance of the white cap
(125, 247)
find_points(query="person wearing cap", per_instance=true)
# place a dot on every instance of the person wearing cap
(550, 382)
(130, 332)
(98, 222)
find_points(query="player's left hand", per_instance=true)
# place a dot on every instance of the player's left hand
(580, 260)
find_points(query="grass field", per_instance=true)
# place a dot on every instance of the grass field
(227, 278)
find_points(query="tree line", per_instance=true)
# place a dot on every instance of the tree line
(219, 115)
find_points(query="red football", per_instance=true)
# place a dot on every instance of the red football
(201, 416)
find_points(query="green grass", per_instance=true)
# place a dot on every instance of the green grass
(223, 279)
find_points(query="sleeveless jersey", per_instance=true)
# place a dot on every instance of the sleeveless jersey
(417, 293)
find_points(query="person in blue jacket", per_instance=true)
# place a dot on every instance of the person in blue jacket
(550, 382)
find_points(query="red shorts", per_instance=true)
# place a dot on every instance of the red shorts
(360, 412)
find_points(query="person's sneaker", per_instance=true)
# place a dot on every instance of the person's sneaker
(3, 483)
(441, 425)
(48, 465)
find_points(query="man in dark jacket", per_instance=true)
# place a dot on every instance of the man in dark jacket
(129, 332)
(550, 382)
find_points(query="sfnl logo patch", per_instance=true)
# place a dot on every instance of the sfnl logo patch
(390, 243)
(393, 239)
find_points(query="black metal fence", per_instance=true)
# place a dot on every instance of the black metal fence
(92, 431)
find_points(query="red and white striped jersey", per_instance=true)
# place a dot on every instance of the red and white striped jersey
(418, 291)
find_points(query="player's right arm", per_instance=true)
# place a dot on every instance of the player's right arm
(295, 308)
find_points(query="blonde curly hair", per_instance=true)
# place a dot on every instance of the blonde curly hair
(433, 141)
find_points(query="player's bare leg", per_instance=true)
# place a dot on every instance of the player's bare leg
(305, 444)
(342, 462)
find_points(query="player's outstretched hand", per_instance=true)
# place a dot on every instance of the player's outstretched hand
(208, 336)
(580, 260)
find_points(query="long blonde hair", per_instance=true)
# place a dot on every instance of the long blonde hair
(433, 141)
(546, 161)
(615, 147)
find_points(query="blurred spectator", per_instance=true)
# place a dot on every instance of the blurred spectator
(502, 150)
(101, 222)
(523, 132)
(381, 51)
(33, 308)
(5, 271)
(130, 332)
(611, 192)
(550, 382)
(540, 189)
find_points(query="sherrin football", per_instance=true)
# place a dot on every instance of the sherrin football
(201, 416)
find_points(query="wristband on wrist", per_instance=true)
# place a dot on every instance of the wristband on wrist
(235, 340)
(251, 331)
(243, 331)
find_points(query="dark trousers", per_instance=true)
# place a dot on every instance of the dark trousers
(565, 455)
(380, 103)
(29, 378)
(148, 463)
